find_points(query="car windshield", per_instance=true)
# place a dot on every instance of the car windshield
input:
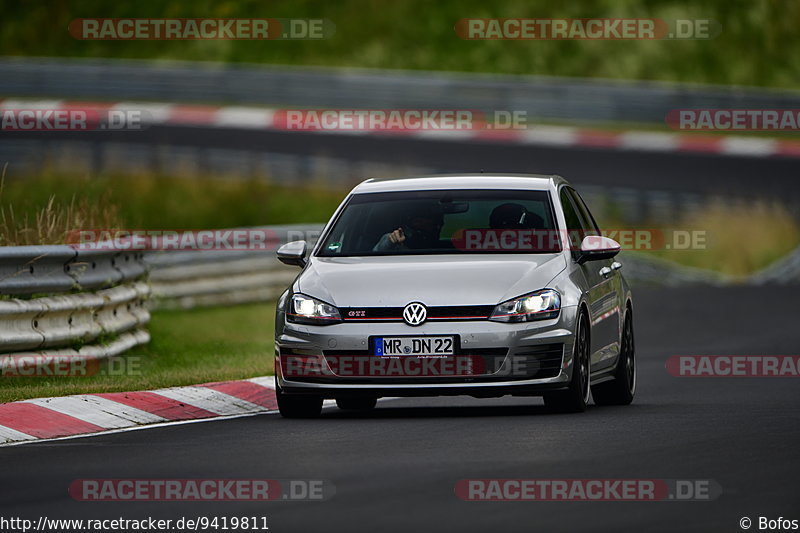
(443, 222)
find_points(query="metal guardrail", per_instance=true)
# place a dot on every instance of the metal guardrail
(245, 280)
(186, 279)
(26, 270)
(60, 303)
(786, 270)
(59, 321)
(63, 303)
(541, 97)
(641, 270)
(16, 363)
(94, 269)
(31, 270)
(193, 279)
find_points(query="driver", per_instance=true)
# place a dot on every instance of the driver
(514, 216)
(420, 229)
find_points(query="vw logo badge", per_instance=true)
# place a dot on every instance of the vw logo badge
(415, 314)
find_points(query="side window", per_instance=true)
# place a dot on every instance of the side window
(588, 223)
(573, 220)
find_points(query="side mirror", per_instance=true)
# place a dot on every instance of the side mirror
(293, 253)
(595, 247)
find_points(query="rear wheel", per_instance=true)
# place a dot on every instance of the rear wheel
(357, 403)
(298, 405)
(621, 389)
(576, 397)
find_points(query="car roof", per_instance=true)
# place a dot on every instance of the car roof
(460, 181)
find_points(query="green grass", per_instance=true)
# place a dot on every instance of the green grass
(187, 347)
(740, 238)
(735, 238)
(758, 44)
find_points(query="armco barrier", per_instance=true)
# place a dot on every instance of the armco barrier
(219, 282)
(186, 279)
(540, 96)
(64, 302)
(191, 279)
(121, 343)
(27, 270)
(59, 302)
(93, 269)
(783, 271)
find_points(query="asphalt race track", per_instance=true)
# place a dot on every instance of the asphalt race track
(395, 469)
(681, 172)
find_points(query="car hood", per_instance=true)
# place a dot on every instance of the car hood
(394, 281)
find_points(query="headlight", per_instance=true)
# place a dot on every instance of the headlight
(539, 305)
(307, 310)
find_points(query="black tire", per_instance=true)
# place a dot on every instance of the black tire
(298, 405)
(356, 403)
(576, 398)
(622, 388)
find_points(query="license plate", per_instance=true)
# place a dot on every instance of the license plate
(389, 346)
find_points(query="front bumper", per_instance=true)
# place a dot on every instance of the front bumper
(518, 359)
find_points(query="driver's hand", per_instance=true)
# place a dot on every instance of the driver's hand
(397, 236)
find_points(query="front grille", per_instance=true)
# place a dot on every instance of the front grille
(342, 353)
(471, 363)
(395, 314)
(524, 362)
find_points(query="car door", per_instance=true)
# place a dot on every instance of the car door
(603, 285)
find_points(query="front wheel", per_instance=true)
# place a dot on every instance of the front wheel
(298, 405)
(621, 389)
(576, 397)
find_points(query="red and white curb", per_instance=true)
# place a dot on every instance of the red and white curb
(82, 414)
(540, 135)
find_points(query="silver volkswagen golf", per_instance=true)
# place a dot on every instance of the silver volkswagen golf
(481, 285)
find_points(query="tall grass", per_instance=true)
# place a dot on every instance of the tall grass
(740, 237)
(43, 209)
(50, 222)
